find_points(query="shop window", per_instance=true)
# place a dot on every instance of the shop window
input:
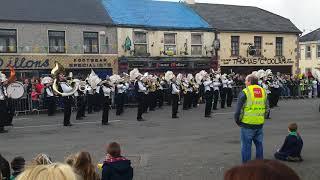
(140, 43)
(318, 51)
(196, 44)
(57, 42)
(279, 46)
(308, 52)
(170, 46)
(235, 45)
(91, 42)
(258, 45)
(8, 41)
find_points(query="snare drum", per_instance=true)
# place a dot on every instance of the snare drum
(15, 90)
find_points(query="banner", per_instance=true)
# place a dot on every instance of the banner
(48, 61)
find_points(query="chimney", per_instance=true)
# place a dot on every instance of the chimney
(190, 1)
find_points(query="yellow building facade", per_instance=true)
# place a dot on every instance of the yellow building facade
(277, 51)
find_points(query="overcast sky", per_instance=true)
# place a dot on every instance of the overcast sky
(305, 14)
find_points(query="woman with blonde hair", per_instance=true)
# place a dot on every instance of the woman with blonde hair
(48, 172)
(83, 166)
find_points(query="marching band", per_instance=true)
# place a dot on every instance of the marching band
(94, 93)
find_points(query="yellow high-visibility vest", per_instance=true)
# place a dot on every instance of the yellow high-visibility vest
(255, 107)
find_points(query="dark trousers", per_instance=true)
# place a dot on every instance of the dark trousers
(189, 102)
(194, 99)
(140, 99)
(81, 106)
(160, 98)
(97, 102)
(90, 103)
(208, 96)
(11, 110)
(145, 103)
(106, 108)
(119, 103)
(3, 114)
(67, 102)
(152, 100)
(215, 99)
(51, 105)
(223, 95)
(229, 97)
(185, 101)
(175, 104)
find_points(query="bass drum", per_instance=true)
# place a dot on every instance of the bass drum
(15, 90)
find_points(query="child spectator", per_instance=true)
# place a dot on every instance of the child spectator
(35, 100)
(17, 165)
(48, 172)
(292, 146)
(261, 169)
(83, 167)
(115, 166)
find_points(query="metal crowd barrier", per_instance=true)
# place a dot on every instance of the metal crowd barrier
(25, 106)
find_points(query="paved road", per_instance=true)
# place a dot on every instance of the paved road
(189, 148)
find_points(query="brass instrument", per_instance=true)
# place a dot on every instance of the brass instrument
(55, 73)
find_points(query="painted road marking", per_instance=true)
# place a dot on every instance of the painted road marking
(54, 125)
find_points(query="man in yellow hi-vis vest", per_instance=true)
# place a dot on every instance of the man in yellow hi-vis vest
(250, 115)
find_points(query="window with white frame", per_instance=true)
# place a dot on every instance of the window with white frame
(56, 41)
(235, 45)
(308, 52)
(196, 44)
(258, 45)
(8, 41)
(91, 42)
(140, 43)
(279, 46)
(170, 46)
(318, 51)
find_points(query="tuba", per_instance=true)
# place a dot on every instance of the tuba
(55, 74)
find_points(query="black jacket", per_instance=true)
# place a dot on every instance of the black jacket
(118, 170)
(4, 168)
(292, 146)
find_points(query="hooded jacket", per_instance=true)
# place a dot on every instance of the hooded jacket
(117, 169)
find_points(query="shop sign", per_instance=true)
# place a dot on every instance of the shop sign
(48, 61)
(138, 64)
(257, 61)
(171, 65)
(202, 64)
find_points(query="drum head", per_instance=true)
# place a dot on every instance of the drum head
(15, 90)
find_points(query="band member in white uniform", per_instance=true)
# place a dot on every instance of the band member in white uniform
(67, 100)
(106, 90)
(3, 104)
(119, 101)
(215, 85)
(140, 90)
(90, 98)
(208, 95)
(223, 92)
(50, 99)
(175, 91)
(229, 91)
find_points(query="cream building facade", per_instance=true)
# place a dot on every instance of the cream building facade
(243, 29)
(160, 50)
(310, 51)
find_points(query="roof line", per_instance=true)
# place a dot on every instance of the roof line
(57, 22)
(161, 27)
(225, 30)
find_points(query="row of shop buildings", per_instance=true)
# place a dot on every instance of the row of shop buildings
(155, 36)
